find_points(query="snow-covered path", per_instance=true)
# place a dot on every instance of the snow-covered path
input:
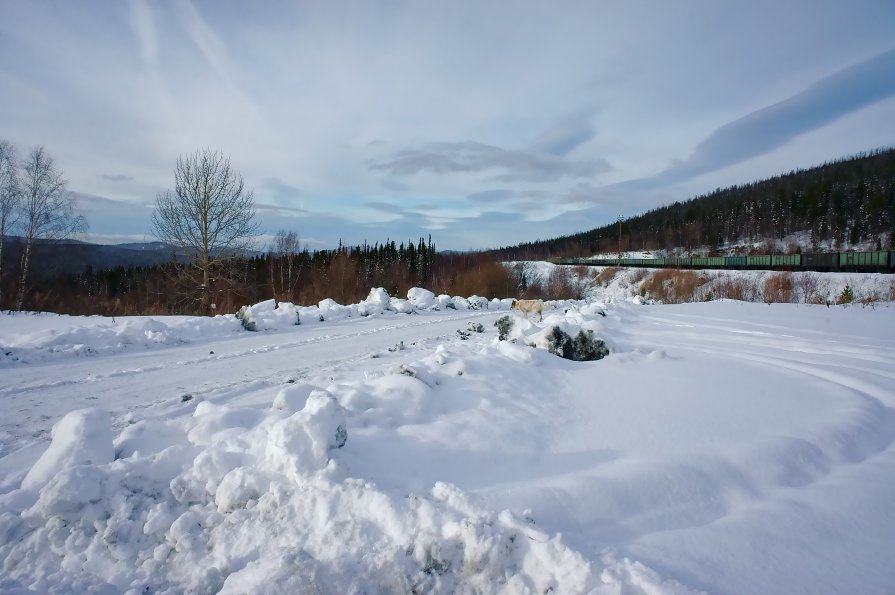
(222, 368)
(728, 447)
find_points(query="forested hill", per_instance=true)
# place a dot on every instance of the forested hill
(837, 205)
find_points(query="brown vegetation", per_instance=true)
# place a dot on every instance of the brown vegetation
(778, 288)
(731, 288)
(606, 276)
(671, 286)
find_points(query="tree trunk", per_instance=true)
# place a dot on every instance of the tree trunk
(23, 278)
(1, 270)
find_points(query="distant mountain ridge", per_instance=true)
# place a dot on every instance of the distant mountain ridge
(838, 205)
(52, 258)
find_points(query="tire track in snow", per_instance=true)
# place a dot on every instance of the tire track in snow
(167, 374)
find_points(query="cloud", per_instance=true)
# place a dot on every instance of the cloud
(143, 24)
(265, 209)
(769, 128)
(582, 194)
(565, 135)
(280, 188)
(117, 178)
(386, 207)
(205, 39)
(474, 157)
(491, 196)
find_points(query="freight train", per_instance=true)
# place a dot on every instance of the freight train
(879, 261)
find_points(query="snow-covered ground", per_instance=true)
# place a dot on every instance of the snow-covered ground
(726, 447)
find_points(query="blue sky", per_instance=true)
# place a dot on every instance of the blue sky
(482, 123)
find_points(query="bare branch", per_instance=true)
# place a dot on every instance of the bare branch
(48, 209)
(210, 214)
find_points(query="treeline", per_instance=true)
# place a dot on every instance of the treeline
(345, 274)
(839, 204)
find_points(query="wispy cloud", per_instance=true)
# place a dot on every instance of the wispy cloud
(279, 188)
(491, 196)
(771, 127)
(566, 134)
(474, 157)
(143, 24)
(117, 178)
(206, 40)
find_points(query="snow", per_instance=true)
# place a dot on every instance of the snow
(724, 447)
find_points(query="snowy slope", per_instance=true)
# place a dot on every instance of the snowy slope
(724, 447)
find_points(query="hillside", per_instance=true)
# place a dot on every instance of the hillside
(836, 205)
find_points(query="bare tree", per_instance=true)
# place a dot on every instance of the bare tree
(210, 215)
(10, 197)
(48, 210)
(285, 265)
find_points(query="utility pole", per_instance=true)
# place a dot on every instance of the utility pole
(620, 237)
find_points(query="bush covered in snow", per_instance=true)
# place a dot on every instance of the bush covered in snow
(268, 315)
(504, 325)
(584, 347)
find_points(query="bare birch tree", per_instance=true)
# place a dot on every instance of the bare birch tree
(285, 268)
(210, 215)
(48, 210)
(10, 197)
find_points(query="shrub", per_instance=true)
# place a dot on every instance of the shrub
(809, 287)
(778, 288)
(559, 343)
(606, 275)
(847, 296)
(504, 325)
(246, 320)
(583, 348)
(587, 349)
(560, 285)
(638, 275)
(732, 288)
(671, 286)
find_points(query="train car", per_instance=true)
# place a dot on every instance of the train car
(762, 261)
(786, 261)
(678, 261)
(864, 261)
(825, 261)
(877, 261)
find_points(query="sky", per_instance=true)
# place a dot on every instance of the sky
(480, 123)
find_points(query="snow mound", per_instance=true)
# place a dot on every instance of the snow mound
(268, 315)
(82, 437)
(376, 303)
(263, 510)
(421, 298)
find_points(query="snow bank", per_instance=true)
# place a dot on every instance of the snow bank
(82, 437)
(81, 336)
(253, 501)
(265, 499)
(73, 336)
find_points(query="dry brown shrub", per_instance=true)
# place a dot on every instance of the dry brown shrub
(560, 285)
(808, 287)
(892, 291)
(638, 275)
(489, 279)
(606, 276)
(671, 286)
(777, 288)
(732, 288)
(869, 297)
